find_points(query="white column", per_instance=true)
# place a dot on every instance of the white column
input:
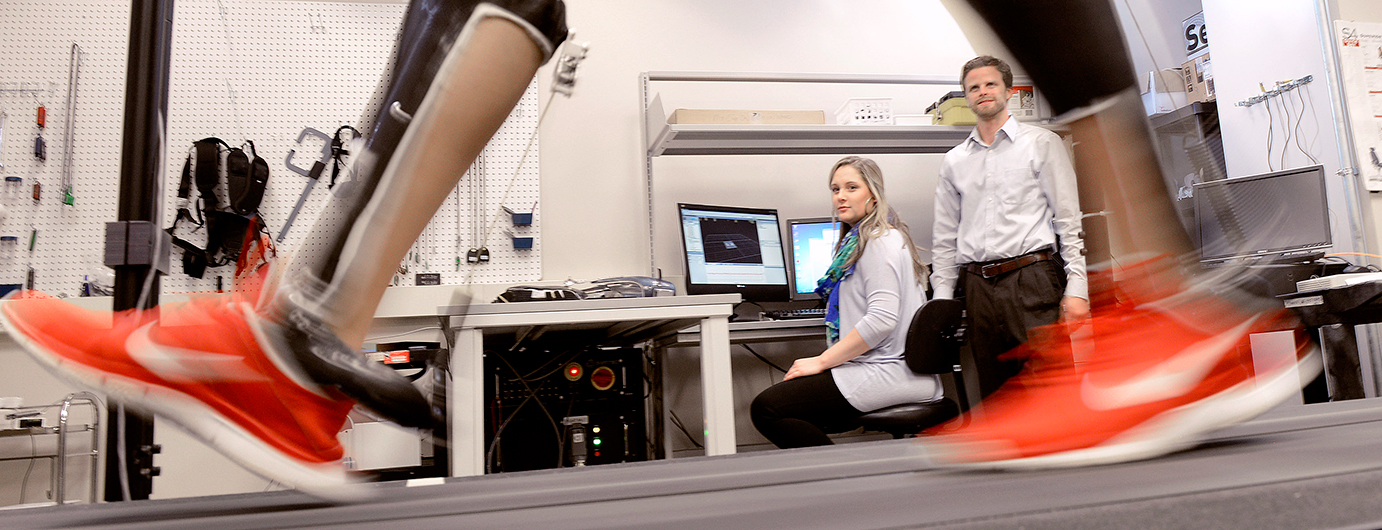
(717, 392)
(465, 395)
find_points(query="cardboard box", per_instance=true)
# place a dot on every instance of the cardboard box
(1199, 79)
(746, 117)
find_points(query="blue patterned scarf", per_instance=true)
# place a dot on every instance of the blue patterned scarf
(828, 286)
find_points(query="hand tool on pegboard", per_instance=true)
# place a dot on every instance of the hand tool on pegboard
(73, 70)
(312, 174)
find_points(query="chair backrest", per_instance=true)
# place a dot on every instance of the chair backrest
(933, 338)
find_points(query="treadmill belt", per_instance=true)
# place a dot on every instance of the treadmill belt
(1312, 466)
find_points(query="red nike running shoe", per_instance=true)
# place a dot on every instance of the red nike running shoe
(1160, 375)
(210, 365)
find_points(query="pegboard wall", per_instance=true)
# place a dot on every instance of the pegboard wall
(256, 70)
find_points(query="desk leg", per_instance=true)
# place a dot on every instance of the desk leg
(1341, 362)
(717, 391)
(465, 396)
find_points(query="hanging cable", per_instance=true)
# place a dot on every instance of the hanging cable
(33, 455)
(1298, 133)
(1311, 146)
(146, 290)
(120, 452)
(403, 334)
(764, 359)
(532, 138)
(682, 427)
(1286, 127)
(1271, 126)
(1364, 254)
(569, 57)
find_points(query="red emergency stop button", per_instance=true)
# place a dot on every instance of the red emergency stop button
(602, 378)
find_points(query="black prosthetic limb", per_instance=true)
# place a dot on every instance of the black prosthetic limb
(331, 363)
(1072, 49)
(430, 32)
(1074, 52)
(430, 29)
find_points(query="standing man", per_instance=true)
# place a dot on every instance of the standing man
(1007, 232)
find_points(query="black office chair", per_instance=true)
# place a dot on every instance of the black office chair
(933, 347)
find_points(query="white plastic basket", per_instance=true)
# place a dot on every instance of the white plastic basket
(872, 111)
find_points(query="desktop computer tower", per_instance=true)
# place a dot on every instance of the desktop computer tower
(547, 409)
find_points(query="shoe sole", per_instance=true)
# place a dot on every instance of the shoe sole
(1176, 429)
(328, 481)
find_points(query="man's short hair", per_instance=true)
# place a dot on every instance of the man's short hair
(989, 60)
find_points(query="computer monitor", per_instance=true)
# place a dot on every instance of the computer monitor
(811, 246)
(733, 250)
(1272, 216)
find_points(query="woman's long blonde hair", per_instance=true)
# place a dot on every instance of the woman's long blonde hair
(878, 220)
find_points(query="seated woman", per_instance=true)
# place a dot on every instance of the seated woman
(872, 289)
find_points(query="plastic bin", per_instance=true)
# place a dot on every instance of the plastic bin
(865, 111)
(521, 218)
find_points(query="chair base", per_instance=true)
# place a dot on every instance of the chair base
(909, 418)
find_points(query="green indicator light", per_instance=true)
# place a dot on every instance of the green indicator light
(595, 441)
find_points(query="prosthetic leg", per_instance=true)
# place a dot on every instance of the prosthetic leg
(269, 382)
(1166, 364)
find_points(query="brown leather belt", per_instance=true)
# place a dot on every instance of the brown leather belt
(989, 269)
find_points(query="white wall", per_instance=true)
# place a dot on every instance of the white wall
(594, 197)
(1159, 45)
(595, 213)
(1275, 40)
(594, 207)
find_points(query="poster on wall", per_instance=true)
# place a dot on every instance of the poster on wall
(1360, 53)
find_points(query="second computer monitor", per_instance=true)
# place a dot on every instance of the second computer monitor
(811, 246)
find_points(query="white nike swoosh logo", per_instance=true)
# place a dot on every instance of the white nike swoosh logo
(182, 365)
(1168, 379)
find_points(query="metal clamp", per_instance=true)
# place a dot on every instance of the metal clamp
(317, 167)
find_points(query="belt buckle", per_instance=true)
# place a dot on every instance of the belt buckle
(984, 270)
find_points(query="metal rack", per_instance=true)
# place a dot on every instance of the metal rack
(663, 139)
(58, 478)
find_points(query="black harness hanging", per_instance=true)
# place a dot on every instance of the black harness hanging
(227, 221)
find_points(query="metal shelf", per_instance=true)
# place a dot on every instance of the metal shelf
(664, 139)
(58, 480)
(676, 139)
(684, 139)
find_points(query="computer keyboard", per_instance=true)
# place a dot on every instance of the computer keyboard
(788, 314)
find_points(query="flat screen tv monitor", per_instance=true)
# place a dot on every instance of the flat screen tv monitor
(1273, 216)
(811, 246)
(733, 250)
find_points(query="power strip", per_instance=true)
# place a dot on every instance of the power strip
(1337, 280)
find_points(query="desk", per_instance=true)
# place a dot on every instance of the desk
(1335, 312)
(624, 321)
(742, 332)
(753, 331)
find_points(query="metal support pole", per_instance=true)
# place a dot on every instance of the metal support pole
(141, 160)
